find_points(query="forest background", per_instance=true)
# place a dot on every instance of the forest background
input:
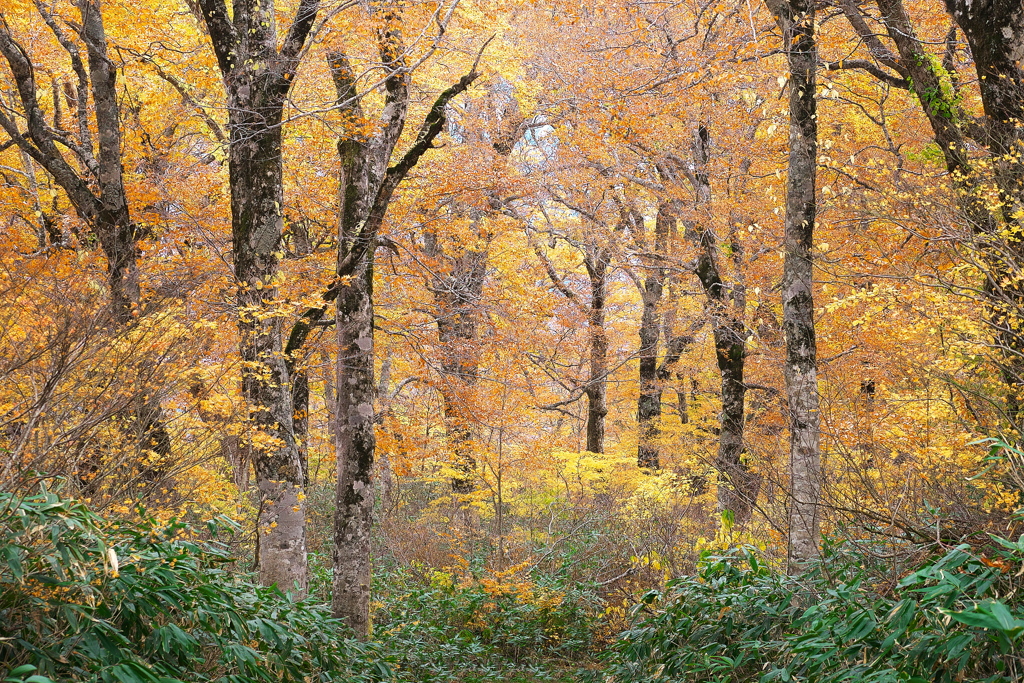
(538, 309)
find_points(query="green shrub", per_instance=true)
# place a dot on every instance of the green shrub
(87, 599)
(956, 617)
(440, 629)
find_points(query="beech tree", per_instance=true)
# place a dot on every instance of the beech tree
(796, 20)
(458, 277)
(994, 32)
(367, 186)
(258, 76)
(90, 173)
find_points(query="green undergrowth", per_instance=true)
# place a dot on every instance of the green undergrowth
(444, 628)
(83, 598)
(956, 616)
(87, 599)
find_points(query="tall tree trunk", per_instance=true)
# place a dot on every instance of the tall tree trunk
(255, 170)
(796, 18)
(739, 487)
(106, 212)
(355, 450)
(366, 187)
(995, 33)
(258, 76)
(359, 180)
(649, 402)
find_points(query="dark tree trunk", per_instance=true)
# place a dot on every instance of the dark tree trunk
(596, 263)
(105, 210)
(596, 260)
(796, 18)
(366, 186)
(258, 76)
(738, 488)
(649, 402)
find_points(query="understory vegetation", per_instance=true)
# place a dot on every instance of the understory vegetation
(84, 598)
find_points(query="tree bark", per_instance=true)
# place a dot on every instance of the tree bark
(366, 186)
(596, 263)
(105, 211)
(796, 18)
(257, 77)
(995, 33)
(649, 402)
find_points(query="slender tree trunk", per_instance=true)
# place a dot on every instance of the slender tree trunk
(596, 260)
(597, 385)
(739, 487)
(796, 17)
(649, 402)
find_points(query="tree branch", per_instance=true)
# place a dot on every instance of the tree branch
(222, 34)
(432, 126)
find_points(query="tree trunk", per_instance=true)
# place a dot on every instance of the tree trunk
(456, 296)
(258, 76)
(355, 450)
(597, 384)
(995, 33)
(366, 186)
(256, 197)
(796, 18)
(738, 488)
(649, 403)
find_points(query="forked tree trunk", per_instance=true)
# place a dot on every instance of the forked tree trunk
(738, 488)
(366, 187)
(258, 76)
